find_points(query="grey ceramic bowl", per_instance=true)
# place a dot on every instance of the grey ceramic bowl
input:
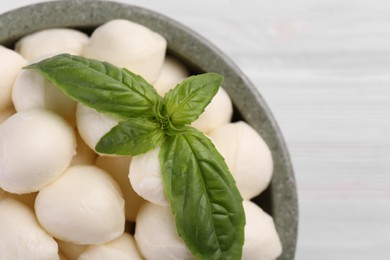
(280, 199)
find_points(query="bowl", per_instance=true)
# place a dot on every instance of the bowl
(280, 199)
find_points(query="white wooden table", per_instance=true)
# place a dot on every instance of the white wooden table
(323, 66)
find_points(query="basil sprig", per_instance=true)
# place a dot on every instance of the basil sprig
(205, 201)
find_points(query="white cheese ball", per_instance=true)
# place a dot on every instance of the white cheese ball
(50, 42)
(21, 237)
(129, 45)
(172, 73)
(10, 65)
(146, 179)
(122, 248)
(261, 239)
(156, 234)
(247, 156)
(31, 90)
(118, 168)
(218, 112)
(5, 114)
(36, 146)
(70, 250)
(92, 125)
(83, 206)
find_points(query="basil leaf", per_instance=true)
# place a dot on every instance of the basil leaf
(188, 99)
(131, 137)
(101, 85)
(203, 196)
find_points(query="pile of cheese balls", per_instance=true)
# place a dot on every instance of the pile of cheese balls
(59, 199)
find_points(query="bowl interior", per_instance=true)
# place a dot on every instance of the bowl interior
(280, 199)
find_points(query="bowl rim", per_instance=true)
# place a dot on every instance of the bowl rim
(189, 46)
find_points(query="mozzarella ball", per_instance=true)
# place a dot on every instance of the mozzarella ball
(156, 234)
(21, 237)
(118, 168)
(70, 250)
(146, 179)
(247, 156)
(36, 146)
(83, 206)
(31, 90)
(128, 45)
(218, 112)
(5, 114)
(122, 248)
(93, 125)
(261, 239)
(84, 155)
(50, 42)
(10, 65)
(172, 73)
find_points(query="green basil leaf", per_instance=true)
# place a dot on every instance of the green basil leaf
(131, 137)
(204, 199)
(101, 86)
(188, 99)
